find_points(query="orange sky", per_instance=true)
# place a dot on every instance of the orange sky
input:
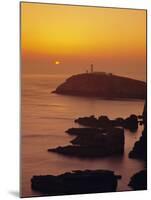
(114, 40)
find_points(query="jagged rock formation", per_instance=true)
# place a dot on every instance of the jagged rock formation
(139, 180)
(91, 144)
(130, 122)
(76, 182)
(102, 85)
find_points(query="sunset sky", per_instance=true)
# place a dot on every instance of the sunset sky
(61, 39)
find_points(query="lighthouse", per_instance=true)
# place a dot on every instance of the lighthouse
(91, 69)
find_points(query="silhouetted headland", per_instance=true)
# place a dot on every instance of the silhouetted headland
(93, 143)
(103, 85)
(76, 182)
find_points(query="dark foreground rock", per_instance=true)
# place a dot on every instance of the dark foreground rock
(130, 122)
(139, 180)
(102, 85)
(89, 144)
(76, 182)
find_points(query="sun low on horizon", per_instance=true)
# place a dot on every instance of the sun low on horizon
(114, 40)
(57, 62)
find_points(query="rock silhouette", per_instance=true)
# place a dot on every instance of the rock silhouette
(91, 143)
(76, 182)
(130, 122)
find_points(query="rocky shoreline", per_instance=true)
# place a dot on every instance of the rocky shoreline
(102, 137)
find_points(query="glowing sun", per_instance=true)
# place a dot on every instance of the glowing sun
(57, 62)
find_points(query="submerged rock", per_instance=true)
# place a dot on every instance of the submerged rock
(91, 144)
(76, 182)
(102, 85)
(139, 180)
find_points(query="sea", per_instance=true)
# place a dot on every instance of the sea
(46, 116)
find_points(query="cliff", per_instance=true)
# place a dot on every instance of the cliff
(102, 85)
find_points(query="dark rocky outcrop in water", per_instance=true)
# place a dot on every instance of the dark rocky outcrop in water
(76, 182)
(102, 85)
(92, 144)
(139, 150)
(130, 122)
(139, 181)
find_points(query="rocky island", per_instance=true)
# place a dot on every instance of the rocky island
(102, 85)
(76, 182)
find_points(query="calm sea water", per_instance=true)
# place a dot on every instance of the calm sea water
(46, 117)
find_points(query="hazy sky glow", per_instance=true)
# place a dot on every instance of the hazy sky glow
(114, 40)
